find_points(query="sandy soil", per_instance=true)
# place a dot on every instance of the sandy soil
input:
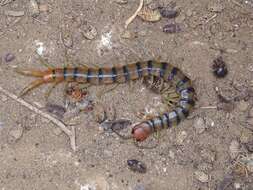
(205, 152)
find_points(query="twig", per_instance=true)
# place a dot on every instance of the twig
(209, 107)
(60, 124)
(131, 18)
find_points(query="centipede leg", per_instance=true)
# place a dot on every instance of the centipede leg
(67, 59)
(31, 86)
(44, 62)
(106, 90)
(49, 91)
(157, 135)
(170, 97)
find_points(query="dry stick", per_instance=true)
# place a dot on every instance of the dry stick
(131, 18)
(208, 107)
(70, 133)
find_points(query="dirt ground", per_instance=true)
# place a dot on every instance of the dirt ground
(210, 150)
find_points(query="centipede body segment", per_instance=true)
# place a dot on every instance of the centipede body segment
(122, 74)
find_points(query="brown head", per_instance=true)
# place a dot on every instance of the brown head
(141, 131)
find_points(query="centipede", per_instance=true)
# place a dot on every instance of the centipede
(122, 74)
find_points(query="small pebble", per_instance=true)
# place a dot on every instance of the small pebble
(201, 176)
(199, 125)
(237, 185)
(219, 67)
(171, 154)
(99, 113)
(168, 12)
(234, 149)
(15, 134)
(88, 187)
(9, 57)
(246, 136)
(171, 28)
(88, 31)
(33, 8)
(249, 146)
(243, 106)
(67, 39)
(181, 137)
(136, 166)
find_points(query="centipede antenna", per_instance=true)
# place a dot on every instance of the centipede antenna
(31, 86)
(121, 136)
(44, 62)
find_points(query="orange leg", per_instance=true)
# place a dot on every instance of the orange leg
(31, 86)
(34, 73)
(49, 91)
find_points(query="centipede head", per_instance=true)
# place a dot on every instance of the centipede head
(34, 73)
(141, 131)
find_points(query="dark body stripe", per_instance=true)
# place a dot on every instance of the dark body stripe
(100, 74)
(163, 69)
(150, 66)
(65, 73)
(88, 76)
(126, 73)
(75, 73)
(139, 69)
(134, 71)
(114, 74)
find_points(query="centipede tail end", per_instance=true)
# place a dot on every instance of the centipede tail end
(34, 73)
(31, 86)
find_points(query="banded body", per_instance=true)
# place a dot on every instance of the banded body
(122, 74)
